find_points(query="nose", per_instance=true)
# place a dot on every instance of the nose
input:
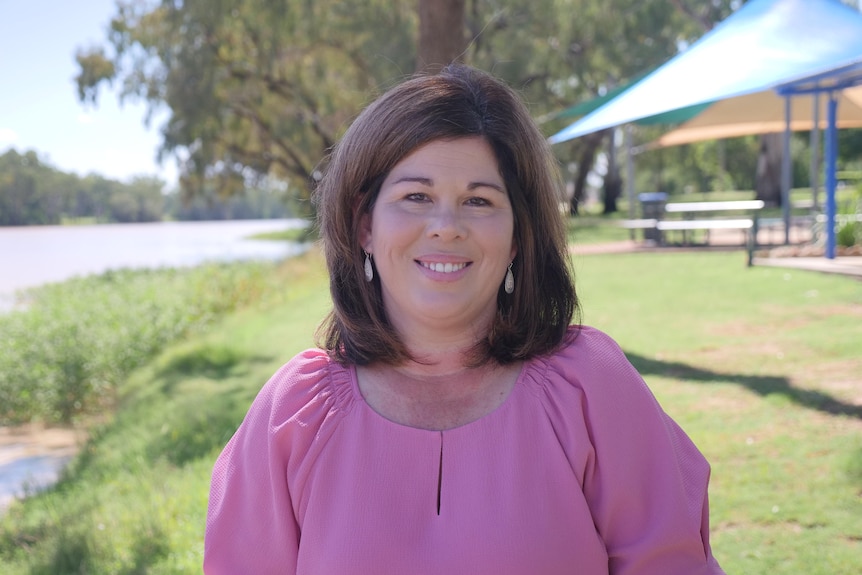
(446, 223)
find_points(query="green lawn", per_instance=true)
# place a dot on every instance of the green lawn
(761, 366)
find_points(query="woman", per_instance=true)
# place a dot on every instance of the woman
(453, 421)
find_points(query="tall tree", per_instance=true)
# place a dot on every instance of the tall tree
(442, 33)
(254, 88)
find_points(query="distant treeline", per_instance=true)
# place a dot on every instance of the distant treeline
(33, 192)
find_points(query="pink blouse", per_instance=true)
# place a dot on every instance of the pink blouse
(579, 471)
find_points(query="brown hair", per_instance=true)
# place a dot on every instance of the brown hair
(458, 102)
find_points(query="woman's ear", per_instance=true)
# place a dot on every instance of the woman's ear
(365, 232)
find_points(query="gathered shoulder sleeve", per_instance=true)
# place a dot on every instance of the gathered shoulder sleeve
(644, 480)
(255, 493)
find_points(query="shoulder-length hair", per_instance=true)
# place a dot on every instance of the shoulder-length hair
(458, 102)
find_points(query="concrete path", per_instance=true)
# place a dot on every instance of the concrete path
(778, 256)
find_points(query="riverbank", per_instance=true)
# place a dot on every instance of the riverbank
(32, 458)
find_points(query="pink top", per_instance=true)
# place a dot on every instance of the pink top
(578, 471)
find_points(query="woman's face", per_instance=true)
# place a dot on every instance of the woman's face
(441, 235)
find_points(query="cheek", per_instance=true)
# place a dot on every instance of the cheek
(390, 233)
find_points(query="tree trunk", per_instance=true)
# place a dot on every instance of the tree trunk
(586, 159)
(767, 181)
(613, 184)
(442, 37)
(612, 191)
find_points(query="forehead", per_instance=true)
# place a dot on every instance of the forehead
(468, 155)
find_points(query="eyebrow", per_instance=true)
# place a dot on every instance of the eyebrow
(428, 182)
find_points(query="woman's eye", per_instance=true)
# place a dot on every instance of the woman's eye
(478, 202)
(416, 197)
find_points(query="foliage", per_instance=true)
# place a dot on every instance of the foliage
(263, 88)
(33, 192)
(258, 88)
(67, 353)
(251, 203)
(617, 42)
(763, 378)
(850, 146)
(849, 234)
(712, 166)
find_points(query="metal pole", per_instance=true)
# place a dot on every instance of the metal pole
(815, 156)
(785, 172)
(630, 177)
(830, 166)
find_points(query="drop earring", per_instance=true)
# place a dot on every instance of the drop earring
(369, 270)
(509, 284)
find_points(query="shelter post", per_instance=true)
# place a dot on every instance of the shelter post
(830, 165)
(786, 171)
(814, 170)
(630, 176)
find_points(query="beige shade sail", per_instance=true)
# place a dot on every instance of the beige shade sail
(762, 113)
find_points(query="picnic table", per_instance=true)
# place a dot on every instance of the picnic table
(689, 210)
(703, 216)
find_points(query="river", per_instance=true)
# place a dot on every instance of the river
(34, 255)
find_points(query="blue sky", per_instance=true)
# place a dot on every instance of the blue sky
(39, 108)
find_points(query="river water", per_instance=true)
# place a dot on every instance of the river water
(34, 255)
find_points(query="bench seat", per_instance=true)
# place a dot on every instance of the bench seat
(643, 224)
(718, 224)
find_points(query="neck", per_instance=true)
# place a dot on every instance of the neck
(438, 396)
(438, 351)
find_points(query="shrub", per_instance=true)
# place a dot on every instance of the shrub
(66, 354)
(849, 234)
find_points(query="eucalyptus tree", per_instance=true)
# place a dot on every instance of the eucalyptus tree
(254, 89)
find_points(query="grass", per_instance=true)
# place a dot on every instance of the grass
(761, 366)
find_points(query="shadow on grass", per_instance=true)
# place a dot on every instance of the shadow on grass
(75, 552)
(764, 385)
(192, 422)
(215, 362)
(193, 433)
(198, 425)
(71, 555)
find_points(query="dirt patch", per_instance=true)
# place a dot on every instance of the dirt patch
(33, 440)
(32, 458)
(808, 250)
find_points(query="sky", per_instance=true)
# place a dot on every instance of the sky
(39, 107)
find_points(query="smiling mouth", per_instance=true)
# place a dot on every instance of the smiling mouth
(446, 268)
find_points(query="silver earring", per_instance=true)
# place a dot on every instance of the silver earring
(369, 271)
(509, 284)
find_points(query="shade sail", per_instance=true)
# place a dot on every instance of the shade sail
(764, 44)
(763, 113)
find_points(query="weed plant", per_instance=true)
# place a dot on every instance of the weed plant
(65, 355)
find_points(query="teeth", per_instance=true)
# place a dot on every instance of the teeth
(444, 268)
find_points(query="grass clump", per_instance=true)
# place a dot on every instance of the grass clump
(66, 354)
